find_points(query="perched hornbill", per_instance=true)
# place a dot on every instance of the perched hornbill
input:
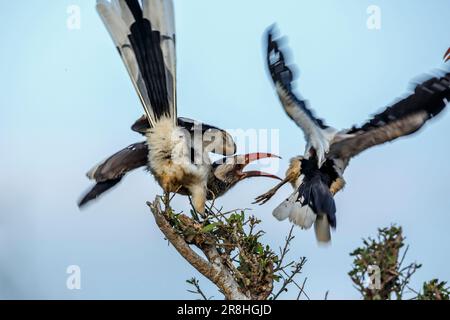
(224, 174)
(144, 34)
(318, 176)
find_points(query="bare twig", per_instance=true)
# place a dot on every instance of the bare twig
(290, 278)
(302, 290)
(196, 284)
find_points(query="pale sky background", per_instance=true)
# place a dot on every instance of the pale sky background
(67, 103)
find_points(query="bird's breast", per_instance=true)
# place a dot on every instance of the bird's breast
(170, 160)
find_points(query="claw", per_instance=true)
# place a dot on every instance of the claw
(264, 198)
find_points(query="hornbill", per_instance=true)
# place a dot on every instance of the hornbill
(318, 175)
(447, 55)
(224, 174)
(144, 34)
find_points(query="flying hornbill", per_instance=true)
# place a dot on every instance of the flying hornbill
(318, 175)
(144, 34)
(224, 174)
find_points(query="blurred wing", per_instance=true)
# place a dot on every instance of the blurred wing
(316, 132)
(97, 190)
(111, 171)
(119, 164)
(403, 118)
(145, 39)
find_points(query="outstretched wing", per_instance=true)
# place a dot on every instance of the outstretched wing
(403, 118)
(111, 171)
(145, 39)
(317, 134)
(215, 140)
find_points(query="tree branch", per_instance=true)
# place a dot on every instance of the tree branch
(213, 269)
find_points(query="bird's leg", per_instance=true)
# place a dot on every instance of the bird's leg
(166, 199)
(213, 201)
(198, 194)
(262, 199)
(193, 211)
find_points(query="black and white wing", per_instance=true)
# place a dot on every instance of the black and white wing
(317, 134)
(401, 119)
(214, 139)
(111, 171)
(145, 38)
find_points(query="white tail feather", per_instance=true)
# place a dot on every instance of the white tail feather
(284, 209)
(304, 216)
(116, 24)
(122, 9)
(162, 15)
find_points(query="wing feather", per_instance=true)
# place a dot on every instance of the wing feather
(111, 171)
(401, 119)
(119, 164)
(317, 134)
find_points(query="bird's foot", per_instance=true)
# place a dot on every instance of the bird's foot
(262, 199)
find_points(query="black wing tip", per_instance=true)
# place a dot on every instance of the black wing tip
(83, 202)
(278, 57)
(270, 32)
(285, 73)
(429, 92)
(96, 191)
(87, 198)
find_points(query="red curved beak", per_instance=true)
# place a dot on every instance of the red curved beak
(447, 55)
(251, 157)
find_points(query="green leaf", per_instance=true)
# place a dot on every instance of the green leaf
(259, 249)
(209, 227)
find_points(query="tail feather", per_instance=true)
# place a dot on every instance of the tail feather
(162, 15)
(283, 211)
(323, 201)
(121, 7)
(302, 215)
(147, 50)
(322, 229)
(312, 203)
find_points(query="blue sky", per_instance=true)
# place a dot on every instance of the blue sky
(67, 103)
